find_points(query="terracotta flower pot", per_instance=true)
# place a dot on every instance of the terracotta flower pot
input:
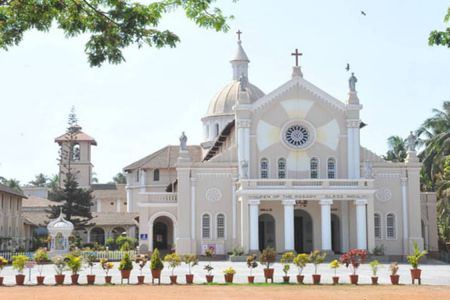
(156, 274)
(125, 274)
(286, 279)
(354, 279)
(90, 279)
(268, 274)
(40, 280)
(374, 280)
(141, 279)
(228, 278)
(316, 278)
(395, 279)
(108, 279)
(173, 279)
(300, 278)
(189, 278)
(74, 278)
(415, 274)
(59, 279)
(335, 280)
(209, 278)
(1, 280)
(251, 279)
(20, 279)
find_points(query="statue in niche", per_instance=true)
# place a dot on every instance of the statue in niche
(183, 141)
(59, 241)
(352, 82)
(243, 80)
(76, 152)
(411, 141)
(368, 169)
(244, 166)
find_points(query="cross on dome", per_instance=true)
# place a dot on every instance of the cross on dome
(296, 54)
(239, 32)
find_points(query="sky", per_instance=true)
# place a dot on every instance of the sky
(142, 105)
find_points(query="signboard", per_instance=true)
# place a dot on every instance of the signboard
(143, 236)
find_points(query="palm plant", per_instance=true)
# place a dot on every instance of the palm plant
(397, 149)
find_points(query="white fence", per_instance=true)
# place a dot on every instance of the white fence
(110, 255)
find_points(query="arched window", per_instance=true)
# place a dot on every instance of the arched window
(264, 167)
(220, 226)
(156, 175)
(281, 168)
(314, 166)
(206, 226)
(377, 225)
(217, 130)
(390, 226)
(76, 152)
(331, 165)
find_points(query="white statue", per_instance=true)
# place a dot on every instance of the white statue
(183, 141)
(411, 142)
(352, 82)
(243, 80)
(244, 166)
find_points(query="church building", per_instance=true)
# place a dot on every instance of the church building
(285, 170)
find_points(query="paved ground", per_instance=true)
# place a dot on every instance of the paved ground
(432, 274)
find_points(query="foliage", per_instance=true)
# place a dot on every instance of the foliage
(287, 259)
(252, 263)
(174, 260)
(3, 263)
(335, 265)
(40, 257)
(40, 180)
(378, 250)
(155, 261)
(191, 260)
(268, 257)
(106, 265)
(393, 267)
(74, 262)
(125, 243)
(354, 258)
(374, 266)
(441, 38)
(90, 261)
(120, 178)
(18, 262)
(60, 264)
(229, 271)
(125, 263)
(237, 251)
(112, 25)
(300, 261)
(209, 252)
(397, 149)
(141, 261)
(416, 257)
(12, 183)
(316, 258)
(208, 268)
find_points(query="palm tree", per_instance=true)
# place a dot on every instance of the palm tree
(40, 180)
(120, 178)
(397, 149)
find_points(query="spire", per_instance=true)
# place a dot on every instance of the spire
(297, 70)
(240, 61)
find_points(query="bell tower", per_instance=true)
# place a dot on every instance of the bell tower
(75, 153)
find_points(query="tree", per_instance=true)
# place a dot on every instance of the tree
(40, 180)
(120, 178)
(397, 149)
(112, 25)
(12, 183)
(441, 38)
(53, 182)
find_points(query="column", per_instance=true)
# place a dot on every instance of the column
(361, 233)
(344, 226)
(253, 206)
(233, 208)
(288, 224)
(403, 184)
(325, 209)
(193, 212)
(143, 180)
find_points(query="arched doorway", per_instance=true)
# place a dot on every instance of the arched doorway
(303, 231)
(163, 238)
(266, 231)
(97, 235)
(335, 234)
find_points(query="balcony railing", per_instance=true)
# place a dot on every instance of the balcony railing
(306, 183)
(159, 197)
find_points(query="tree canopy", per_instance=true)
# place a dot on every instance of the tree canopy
(112, 24)
(441, 38)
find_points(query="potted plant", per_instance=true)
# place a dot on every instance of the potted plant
(354, 258)
(374, 266)
(300, 261)
(3, 263)
(267, 258)
(394, 269)
(40, 257)
(286, 260)
(156, 265)
(125, 267)
(106, 266)
(74, 263)
(191, 260)
(251, 264)
(141, 261)
(60, 266)
(18, 263)
(414, 260)
(316, 258)
(174, 260)
(335, 265)
(208, 268)
(229, 274)
(90, 261)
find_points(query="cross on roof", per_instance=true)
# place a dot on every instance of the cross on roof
(239, 32)
(296, 54)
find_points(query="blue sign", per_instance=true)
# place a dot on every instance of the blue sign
(143, 236)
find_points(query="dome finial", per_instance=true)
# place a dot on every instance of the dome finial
(240, 60)
(239, 32)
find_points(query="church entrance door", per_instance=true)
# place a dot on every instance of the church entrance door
(303, 231)
(335, 234)
(266, 232)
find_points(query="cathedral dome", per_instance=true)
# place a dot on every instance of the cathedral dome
(225, 99)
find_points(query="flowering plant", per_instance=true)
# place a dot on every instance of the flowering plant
(353, 258)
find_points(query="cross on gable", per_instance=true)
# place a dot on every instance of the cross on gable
(296, 54)
(239, 32)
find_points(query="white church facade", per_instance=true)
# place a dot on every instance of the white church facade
(285, 170)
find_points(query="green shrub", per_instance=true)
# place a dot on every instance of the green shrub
(90, 261)
(316, 258)
(374, 266)
(40, 257)
(60, 264)
(125, 263)
(191, 260)
(416, 257)
(300, 261)
(268, 257)
(174, 261)
(3, 263)
(74, 262)
(155, 261)
(251, 262)
(18, 262)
